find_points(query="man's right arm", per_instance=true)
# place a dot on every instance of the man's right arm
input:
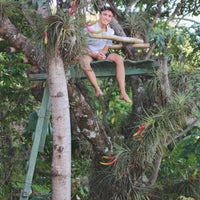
(93, 55)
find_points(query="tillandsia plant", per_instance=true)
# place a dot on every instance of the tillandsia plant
(137, 24)
(65, 33)
(135, 162)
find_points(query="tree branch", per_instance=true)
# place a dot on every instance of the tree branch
(176, 10)
(184, 132)
(88, 123)
(17, 40)
(150, 51)
(156, 167)
(158, 12)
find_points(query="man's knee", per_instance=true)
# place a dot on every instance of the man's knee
(116, 58)
(120, 58)
(86, 60)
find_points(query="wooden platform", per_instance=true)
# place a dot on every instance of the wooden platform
(106, 68)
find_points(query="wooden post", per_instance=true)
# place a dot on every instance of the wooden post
(45, 125)
(25, 193)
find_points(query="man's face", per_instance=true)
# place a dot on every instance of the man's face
(105, 17)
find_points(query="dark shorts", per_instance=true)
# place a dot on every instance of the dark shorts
(94, 59)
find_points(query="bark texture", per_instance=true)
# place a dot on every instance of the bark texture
(164, 70)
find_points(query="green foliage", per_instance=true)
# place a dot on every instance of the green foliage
(160, 35)
(80, 171)
(81, 166)
(178, 167)
(14, 88)
(16, 103)
(8, 8)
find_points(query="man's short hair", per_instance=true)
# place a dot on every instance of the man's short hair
(107, 8)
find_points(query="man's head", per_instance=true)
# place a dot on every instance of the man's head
(107, 8)
(105, 15)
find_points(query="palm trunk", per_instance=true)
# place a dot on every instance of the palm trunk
(61, 163)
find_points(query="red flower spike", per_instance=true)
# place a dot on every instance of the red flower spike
(121, 175)
(72, 8)
(45, 35)
(141, 129)
(108, 157)
(111, 157)
(109, 163)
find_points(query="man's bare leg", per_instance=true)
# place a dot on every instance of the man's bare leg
(120, 75)
(91, 75)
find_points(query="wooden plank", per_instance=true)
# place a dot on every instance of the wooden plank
(106, 68)
(37, 77)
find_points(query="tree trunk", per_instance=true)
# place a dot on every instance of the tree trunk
(164, 69)
(61, 163)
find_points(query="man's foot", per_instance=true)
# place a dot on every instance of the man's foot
(98, 92)
(125, 97)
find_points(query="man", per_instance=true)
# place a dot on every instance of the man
(98, 50)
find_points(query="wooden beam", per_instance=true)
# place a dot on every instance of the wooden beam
(117, 38)
(119, 46)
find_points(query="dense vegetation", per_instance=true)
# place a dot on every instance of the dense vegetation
(172, 134)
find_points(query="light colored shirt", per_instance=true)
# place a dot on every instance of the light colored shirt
(96, 45)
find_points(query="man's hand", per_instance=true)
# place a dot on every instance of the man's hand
(101, 56)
